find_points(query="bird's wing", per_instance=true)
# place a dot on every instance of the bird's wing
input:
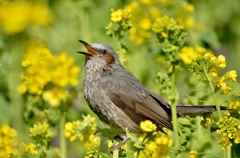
(136, 101)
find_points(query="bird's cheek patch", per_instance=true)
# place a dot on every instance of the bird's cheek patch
(109, 58)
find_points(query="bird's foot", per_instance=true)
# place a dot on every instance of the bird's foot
(120, 144)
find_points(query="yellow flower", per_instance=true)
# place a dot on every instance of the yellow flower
(225, 143)
(54, 96)
(189, 22)
(116, 16)
(229, 129)
(226, 90)
(31, 148)
(155, 12)
(234, 105)
(16, 16)
(40, 132)
(193, 154)
(147, 2)
(8, 141)
(188, 54)
(82, 130)
(40, 15)
(158, 148)
(42, 69)
(231, 76)
(190, 8)
(145, 24)
(236, 138)
(148, 126)
(221, 61)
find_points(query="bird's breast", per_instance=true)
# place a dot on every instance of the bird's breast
(101, 104)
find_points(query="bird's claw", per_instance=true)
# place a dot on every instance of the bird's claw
(120, 144)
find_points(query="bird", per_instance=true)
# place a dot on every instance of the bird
(119, 99)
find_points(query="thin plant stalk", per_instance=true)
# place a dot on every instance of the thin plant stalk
(63, 146)
(174, 108)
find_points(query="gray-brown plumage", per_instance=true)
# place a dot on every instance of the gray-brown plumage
(119, 99)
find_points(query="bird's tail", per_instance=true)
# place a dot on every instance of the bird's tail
(197, 109)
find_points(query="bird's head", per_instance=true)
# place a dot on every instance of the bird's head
(100, 54)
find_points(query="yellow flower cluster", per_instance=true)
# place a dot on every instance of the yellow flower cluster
(188, 54)
(234, 105)
(142, 22)
(208, 63)
(148, 126)
(40, 132)
(158, 145)
(120, 15)
(93, 149)
(158, 148)
(145, 13)
(207, 120)
(8, 141)
(82, 130)
(170, 33)
(165, 24)
(31, 148)
(44, 69)
(229, 76)
(229, 128)
(15, 16)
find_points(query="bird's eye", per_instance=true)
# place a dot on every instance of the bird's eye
(104, 52)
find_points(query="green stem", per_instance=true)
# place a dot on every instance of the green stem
(174, 108)
(229, 154)
(14, 82)
(62, 138)
(214, 95)
(115, 153)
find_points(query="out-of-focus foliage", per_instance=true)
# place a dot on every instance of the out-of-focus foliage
(41, 74)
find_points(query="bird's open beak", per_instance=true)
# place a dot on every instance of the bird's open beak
(90, 50)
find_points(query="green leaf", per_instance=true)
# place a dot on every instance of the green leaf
(107, 133)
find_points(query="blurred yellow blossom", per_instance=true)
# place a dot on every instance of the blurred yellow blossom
(116, 16)
(147, 2)
(82, 130)
(40, 132)
(43, 69)
(231, 76)
(8, 141)
(148, 126)
(190, 8)
(234, 105)
(15, 16)
(157, 148)
(193, 154)
(54, 96)
(155, 12)
(145, 24)
(31, 148)
(188, 54)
